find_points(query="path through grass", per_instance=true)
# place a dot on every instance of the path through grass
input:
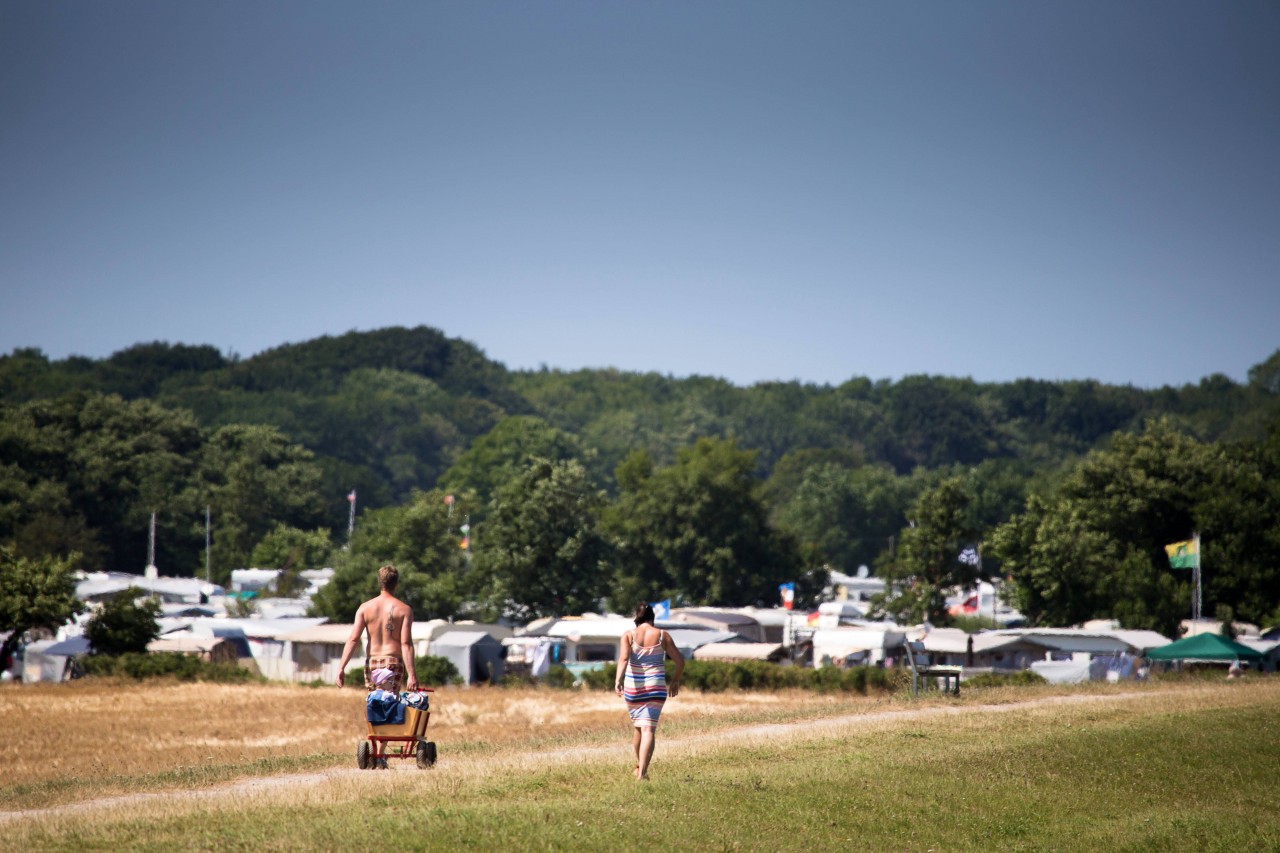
(1184, 769)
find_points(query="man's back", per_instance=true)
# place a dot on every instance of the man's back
(389, 624)
(384, 619)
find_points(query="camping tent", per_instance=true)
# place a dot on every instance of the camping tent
(477, 655)
(1205, 648)
(78, 645)
(38, 665)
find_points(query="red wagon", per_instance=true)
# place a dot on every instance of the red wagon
(403, 740)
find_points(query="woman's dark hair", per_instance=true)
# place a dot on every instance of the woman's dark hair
(643, 614)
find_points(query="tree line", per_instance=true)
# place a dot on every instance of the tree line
(590, 486)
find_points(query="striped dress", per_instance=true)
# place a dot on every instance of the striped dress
(645, 689)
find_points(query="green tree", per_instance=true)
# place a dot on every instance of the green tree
(131, 459)
(388, 422)
(1266, 374)
(292, 550)
(1096, 548)
(542, 552)
(421, 539)
(34, 593)
(1238, 517)
(697, 531)
(142, 369)
(502, 454)
(85, 471)
(928, 563)
(935, 421)
(785, 478)
(847, 518)
(124, 623)
(253, 478)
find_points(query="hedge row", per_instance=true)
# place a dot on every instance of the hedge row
(1023, 678)
(140, 665)
(717, 677)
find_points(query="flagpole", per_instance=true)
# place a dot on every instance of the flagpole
(1195, 601)
(208, 578)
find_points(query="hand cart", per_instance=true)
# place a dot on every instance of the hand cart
(404, 740)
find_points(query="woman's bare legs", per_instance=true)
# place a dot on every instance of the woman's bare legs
(635, 746)
(644, 751)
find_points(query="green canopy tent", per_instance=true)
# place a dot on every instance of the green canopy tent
(1205, 648)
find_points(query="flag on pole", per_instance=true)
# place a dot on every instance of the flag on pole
(1184, 555)
(351, 498)
(661, 609)
(788, 593)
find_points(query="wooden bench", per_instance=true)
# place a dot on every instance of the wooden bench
(922, 671)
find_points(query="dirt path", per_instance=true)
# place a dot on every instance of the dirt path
(248, 788)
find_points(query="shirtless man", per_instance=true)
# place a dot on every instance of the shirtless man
(389, 622)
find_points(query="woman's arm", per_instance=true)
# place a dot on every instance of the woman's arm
(624, 654)
(669, 646)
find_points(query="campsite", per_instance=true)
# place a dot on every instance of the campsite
(1176, 763)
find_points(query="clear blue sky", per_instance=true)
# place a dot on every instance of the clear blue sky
(775, 190)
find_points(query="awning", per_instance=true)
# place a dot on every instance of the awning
(740, 651)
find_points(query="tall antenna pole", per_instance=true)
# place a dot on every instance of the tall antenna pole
(208, 578)
(351, 515)
(1195, 601)
(150, 571)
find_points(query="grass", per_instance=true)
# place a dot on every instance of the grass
(96, 737)
(1188, 766)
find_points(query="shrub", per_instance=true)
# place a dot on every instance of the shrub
(600, 678)
(558, 676)
(1024, 678)
(511, 679)
(722, 676)
(432, 671)
(125, 623)
(719, 676)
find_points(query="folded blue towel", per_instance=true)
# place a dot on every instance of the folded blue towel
(384, 708)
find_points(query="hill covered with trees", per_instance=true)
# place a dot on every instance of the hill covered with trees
(638, 484)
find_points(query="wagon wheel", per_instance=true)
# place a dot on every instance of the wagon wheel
(426, 753)
(364, 757)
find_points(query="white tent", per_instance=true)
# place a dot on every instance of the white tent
(37, 665)
(855, 645)
(1062, 671)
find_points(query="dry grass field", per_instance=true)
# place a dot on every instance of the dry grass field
(1162, 766)
(94, 737)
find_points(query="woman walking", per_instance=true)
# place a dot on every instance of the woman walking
(642, 681)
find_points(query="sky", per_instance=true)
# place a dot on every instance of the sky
(752, 190)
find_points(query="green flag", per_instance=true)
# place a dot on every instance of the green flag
(1184, 555)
